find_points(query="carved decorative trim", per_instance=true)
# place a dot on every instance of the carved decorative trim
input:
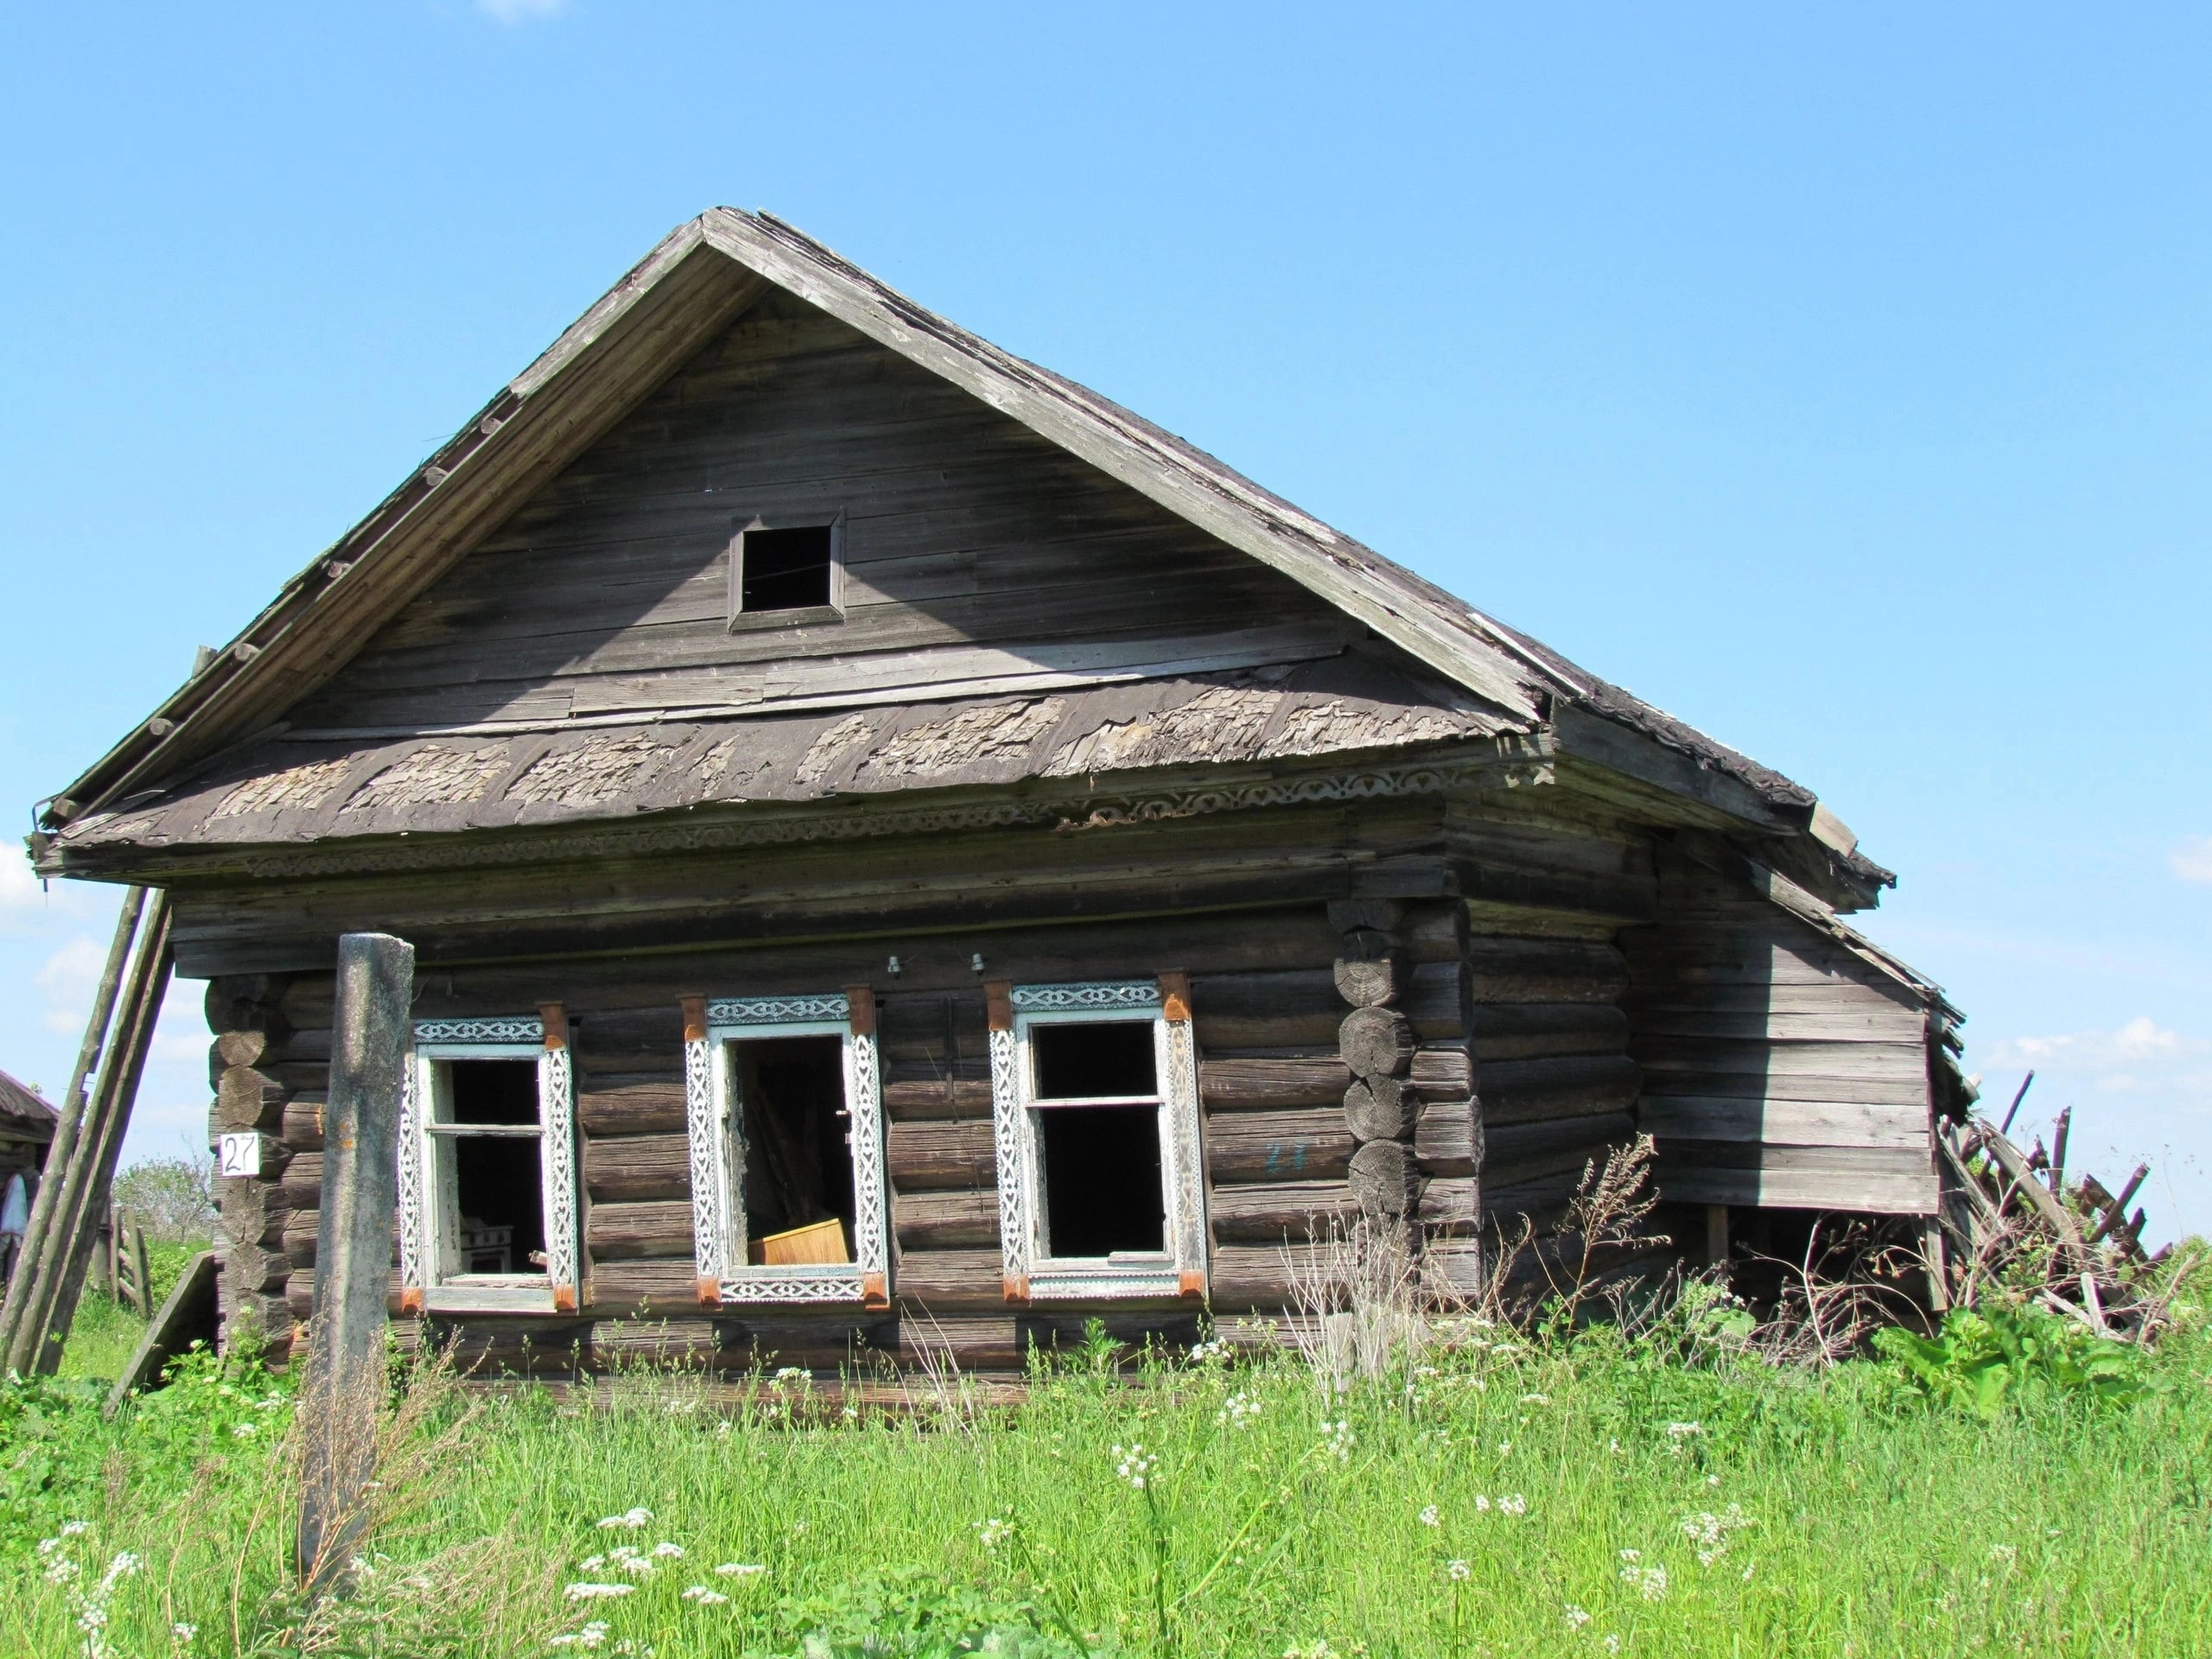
(556, 1113)
(1054, 1285)
(717, 1213)
(1010, 1138)
(776, 1010)
(412, 1182)
(1098, 993)
(759, 1287)
(1188, 1167)
(702, 1125)
(468, 849)
(479, 1031)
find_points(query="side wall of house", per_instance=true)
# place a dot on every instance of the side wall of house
(1781, 1068)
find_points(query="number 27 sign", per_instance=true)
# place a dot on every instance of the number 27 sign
(238, 1154)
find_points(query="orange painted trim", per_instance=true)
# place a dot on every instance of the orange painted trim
(998, 1006)
(709, 1291)
(862, 999)
(555, 1016)
(875, 1292)
(564, 1299)
(695, 1022)
(1175, 997)
(1017, 1287)
(411, 1299)
(1191, 1286)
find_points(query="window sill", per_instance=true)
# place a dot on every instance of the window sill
(800, 616)
(770, 1286)
(463, 1297)
(1103, 1281)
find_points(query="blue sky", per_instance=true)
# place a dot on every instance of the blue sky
(1833, 377)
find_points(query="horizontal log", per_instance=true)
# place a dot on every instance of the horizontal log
(1380, 1109)
(1292, 1211)
(1448, 1138)
(1376, 1042)
(1528, 1031)
(1383, 1178)
(631, 1168)
(935, 1281)
(1516, 1092)
(1445, 1072)
(1522, 1151)
(303, 1180)
(1450, 1202)
(257, 1269)
(302, 1125)
(1370, 982)
(938, 1097)
(245, 1099)
(1885, 1062)
(1303, 1144)
(927, 1154)
(621, 1231)
(631, 1104)
(1273, 1084)
(945, 1221)
(1302, 1008)
(299, 1236)
(1545, 970)
(640, 1288)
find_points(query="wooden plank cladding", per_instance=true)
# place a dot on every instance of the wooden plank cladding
(1781, 1067)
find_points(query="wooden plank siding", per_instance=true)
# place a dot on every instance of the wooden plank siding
(609, 590)
(1780, 1067)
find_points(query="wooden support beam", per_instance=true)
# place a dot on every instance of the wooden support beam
(186, 1316)
(344, 1389)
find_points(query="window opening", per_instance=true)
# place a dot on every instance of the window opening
(785, 569)
(798, 1194)
(492, 1139)
(1094, 1088)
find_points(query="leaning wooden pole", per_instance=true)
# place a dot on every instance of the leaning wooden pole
(38, 1236)
(83, 1202)
(343, 1390)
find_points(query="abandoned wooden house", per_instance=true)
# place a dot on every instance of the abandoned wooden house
(899, 847)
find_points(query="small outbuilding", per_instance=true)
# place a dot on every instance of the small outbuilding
(899, 848)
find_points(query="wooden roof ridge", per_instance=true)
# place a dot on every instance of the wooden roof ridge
(696, 281)
(25, 1110)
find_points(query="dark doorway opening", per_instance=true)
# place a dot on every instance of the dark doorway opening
(1102, 1178)
(798, 1153)
(498, 1178)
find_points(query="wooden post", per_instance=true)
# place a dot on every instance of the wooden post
(1716, 1238)
(343, 1390)
(141, 1274)
(42, 1241)
(1931, 1253)
(65, 1223)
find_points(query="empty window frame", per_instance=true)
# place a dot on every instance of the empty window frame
(787, 571)
(488, 1168)
(1096, 1112)
(785, 1117)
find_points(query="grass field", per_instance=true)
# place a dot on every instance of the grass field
(1584, 1495)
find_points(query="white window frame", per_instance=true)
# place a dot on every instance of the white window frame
(715, 1124)
(742, 620)
(427, 1204)
(1031, 1274)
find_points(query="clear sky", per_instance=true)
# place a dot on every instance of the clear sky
(1835, 378)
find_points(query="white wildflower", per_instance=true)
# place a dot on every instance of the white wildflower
(628, 1521)
(994, 1532)
(632, 1561)
(1337, 1439)
(591, 1563)
(1135, 1467)
(1709, 1532)
(1505, 1448)
(703, 1596)
(2003, 1553)
(1513, 1503)
(1631, 1554)
(1238, 1411)
(244, 1431)
(1649, 1582)
(1457, 1571)
(75, 1528)
(1576, 1618)
(593, 1635)
(185, 1634)
(1430, 1516)
(669, 1552)
(1612, 1644)
(1482, 1504)
(62, 1571)
(1535, 1399)
(597, 1591)
(740, 1569)
(1683, 1430)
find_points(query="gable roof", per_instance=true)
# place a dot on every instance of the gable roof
(25, 1114)
(696, 282)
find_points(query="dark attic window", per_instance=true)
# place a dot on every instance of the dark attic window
(785, 575)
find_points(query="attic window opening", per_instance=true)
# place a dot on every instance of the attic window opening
(787, 573)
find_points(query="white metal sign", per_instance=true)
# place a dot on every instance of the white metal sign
(239, 1154)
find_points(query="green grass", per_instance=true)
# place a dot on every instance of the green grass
(1769, 1512)
(105, 1333)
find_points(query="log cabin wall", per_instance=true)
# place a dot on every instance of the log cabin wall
(1266, 1008)
(1783, 1068)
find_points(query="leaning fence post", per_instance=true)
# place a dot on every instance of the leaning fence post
(343, 1388)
